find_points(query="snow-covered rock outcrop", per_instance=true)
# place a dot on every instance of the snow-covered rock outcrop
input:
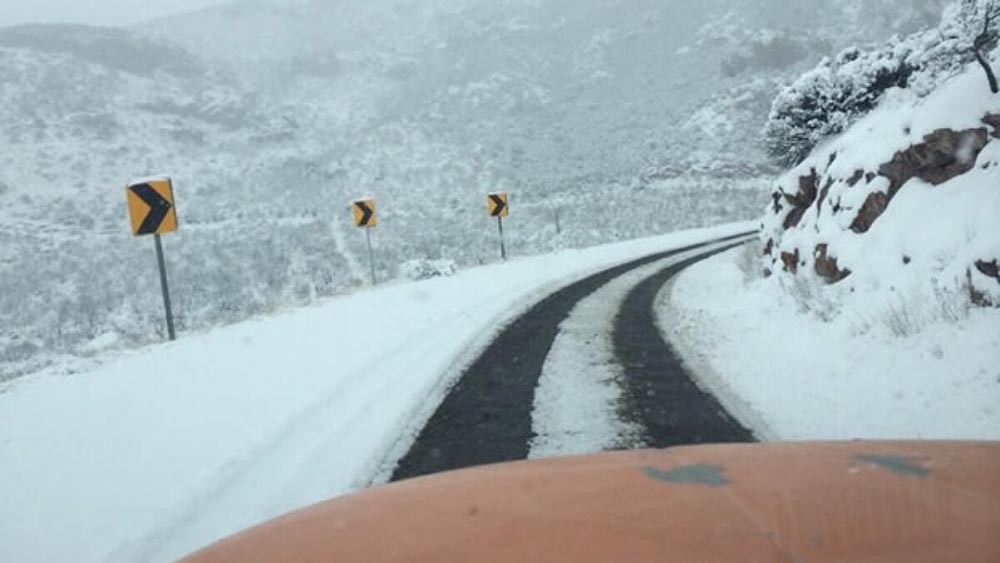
(906, 202)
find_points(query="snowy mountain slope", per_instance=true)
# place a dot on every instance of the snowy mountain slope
(606, 121)
(154, 453)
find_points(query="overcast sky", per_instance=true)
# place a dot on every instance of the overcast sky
(96, 12)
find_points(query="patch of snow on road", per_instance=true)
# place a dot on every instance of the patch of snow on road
(576, 402)
(791, 375)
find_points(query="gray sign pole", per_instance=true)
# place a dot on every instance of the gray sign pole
(166, 289)
(503, 246)
(371, 255)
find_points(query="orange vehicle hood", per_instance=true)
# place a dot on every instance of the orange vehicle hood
(852, 501)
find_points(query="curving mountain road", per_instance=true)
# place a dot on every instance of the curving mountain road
(487, 417)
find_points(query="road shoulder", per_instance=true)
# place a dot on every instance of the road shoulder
(848, 377)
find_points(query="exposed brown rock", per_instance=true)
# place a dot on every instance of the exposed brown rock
(822, 195)
(769, 247)
(989, 269)
(993, 120)
(802, 199)
(826, 266)
(978, 298)
(793, 218)
(807, 189)
(943, 155)
(858, 175)
(872, 209)
(870, 176)
(791, 261)
(776, 196)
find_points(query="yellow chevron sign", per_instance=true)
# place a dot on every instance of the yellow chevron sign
(496, 204)
(151, 207)
(364, 212)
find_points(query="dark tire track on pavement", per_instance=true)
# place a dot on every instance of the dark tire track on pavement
(486, 415)
(659, 395)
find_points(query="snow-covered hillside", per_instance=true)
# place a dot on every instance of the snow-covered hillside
(605, 120)
(876, 310)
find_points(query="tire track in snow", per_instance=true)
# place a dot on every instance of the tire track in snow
(659, 395)
(581, 392)
(486, 416)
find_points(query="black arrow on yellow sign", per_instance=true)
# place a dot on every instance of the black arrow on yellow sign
(499, 206)
(159, 208)
(364, 218)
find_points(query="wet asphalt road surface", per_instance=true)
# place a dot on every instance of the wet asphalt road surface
(486, 416)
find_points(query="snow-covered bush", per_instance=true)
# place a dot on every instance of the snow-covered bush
(826, 100)
(908, 315)
(422, 269)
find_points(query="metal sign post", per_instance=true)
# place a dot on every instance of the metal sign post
(165, 288)
(371, 255)
(365, 218)
(496, 206)
(503, 245)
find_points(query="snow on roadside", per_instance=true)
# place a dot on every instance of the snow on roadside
(157, 452)
(790, 375)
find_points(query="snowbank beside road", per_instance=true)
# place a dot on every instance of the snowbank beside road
(791, 375)
(158, 452)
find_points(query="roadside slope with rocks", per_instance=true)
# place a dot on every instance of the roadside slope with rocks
(875, 311)
(906, 202)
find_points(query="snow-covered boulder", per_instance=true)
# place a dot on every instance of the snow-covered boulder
(906, 201)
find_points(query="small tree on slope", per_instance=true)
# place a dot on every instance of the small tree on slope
(987, 14)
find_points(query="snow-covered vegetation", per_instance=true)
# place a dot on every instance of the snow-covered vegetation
(604, 120)
(828, 99)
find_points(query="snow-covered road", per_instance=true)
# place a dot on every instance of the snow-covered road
(581, 392)
(157, 452)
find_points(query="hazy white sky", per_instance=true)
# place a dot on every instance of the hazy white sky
(97, 12)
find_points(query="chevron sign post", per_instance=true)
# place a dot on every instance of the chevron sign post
(151, 212)
(496, 206)
(365, 218)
